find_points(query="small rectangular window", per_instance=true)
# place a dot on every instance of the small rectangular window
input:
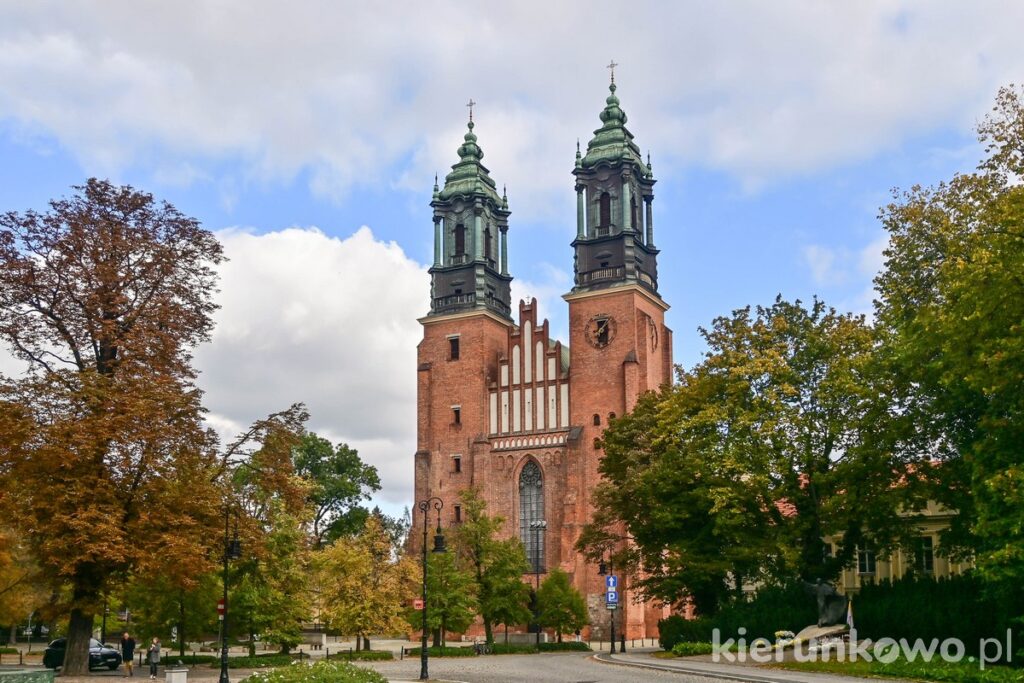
(458, 514)
(453, 348)
(925, 560)
(457, 462)
(456, 415)
(865, 561)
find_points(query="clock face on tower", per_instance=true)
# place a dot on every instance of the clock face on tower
(600, 331)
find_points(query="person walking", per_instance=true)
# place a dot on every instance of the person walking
(128, 653)
(153, 657)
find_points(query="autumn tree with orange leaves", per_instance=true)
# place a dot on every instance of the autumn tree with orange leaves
(104, 453)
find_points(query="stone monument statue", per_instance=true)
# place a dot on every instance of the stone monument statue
(831, 604)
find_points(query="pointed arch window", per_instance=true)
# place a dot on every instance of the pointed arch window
(488, 246)
(605, 210)
(460, 239)
(632, 212)
(531, 509)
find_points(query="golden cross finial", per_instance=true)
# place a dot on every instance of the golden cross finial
(471, 104)
(612, 66)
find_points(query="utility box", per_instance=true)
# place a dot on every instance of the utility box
(176, 675)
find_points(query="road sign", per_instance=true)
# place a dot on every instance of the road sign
(611, 597)
(611, 582)
(220, 607)
(612, 605)
(417, 603)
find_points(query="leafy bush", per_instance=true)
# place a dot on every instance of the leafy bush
(190, 659)
(687, 649)
(513, 649)
(263, 661)
(363, 655)
(936, 670)
(8, 650)
(444, 651)
(321, 672)
(771, 609)
(568, 646)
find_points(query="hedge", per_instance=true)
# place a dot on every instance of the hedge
(444, 651)
(321, 672)
(963, 607)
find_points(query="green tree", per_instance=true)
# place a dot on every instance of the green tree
(505, 597)
(776, 440)
(561, 607)
(451, 597)
(951, 307)
(339, 481)
(497, 566)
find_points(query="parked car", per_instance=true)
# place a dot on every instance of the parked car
(100, 655)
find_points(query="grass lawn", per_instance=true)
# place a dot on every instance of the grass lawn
(936, 670)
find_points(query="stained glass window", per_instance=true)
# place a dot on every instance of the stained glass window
(531, 509)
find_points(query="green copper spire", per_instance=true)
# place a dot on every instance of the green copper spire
(612, 142)
(435, 186)
(469, 176)
(579, 158)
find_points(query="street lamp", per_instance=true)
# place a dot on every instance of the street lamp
(537, 526)
(232, 551)
(424, 507)
(604, 569)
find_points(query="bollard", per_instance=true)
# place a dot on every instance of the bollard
(327, 653)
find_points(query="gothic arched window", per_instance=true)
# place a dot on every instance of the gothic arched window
(531, 509)
(606, 210)
(632, 212)
(487, 245)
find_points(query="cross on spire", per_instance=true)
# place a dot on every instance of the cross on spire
(471, 104)
(612, 66)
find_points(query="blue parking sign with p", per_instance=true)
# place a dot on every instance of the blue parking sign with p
(612, 597)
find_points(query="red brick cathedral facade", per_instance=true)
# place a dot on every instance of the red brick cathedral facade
(507, 409)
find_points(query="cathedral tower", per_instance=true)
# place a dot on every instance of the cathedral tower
(470, 270)
(620, 347)
(504, 407)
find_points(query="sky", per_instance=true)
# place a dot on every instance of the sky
(306, 135)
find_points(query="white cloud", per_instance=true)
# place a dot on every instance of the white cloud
(822, 261)
(372, 93)
(835, 266)
(329, 322)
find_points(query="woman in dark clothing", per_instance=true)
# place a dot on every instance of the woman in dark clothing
(128, 653)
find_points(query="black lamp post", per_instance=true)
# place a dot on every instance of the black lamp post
(232, 551)
(424, 507)
(538, 527)
(604, 569)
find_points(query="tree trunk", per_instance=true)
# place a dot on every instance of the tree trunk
(181, 626)
(76, 657)
(252, 641)
(506, 634)
(359, 642)
(366, 643)
(559, 636)
(437, 637)
(488, 632)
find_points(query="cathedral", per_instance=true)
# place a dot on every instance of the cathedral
(504, 407)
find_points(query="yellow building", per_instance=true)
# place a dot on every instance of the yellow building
(926, 558)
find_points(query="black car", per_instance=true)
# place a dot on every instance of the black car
(100, 656)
